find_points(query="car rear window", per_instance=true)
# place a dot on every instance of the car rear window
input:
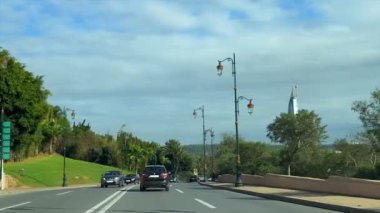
(154, 169)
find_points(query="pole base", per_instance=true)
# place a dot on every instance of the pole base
(64, 184)
(238, 181)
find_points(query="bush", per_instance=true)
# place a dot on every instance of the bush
(377, 169)
(184, 175)
(366, 173)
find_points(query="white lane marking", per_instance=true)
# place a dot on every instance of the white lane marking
(101, 203)
(64, 193)
(180, 191)
(111, 203)
(17, 205)
(205, 203)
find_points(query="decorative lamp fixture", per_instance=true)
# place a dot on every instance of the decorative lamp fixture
(250, 106)
(219, 68)
(194, 114)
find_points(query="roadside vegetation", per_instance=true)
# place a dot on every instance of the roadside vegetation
(47, 170)
(40, 132)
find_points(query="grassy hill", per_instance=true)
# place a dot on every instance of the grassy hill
(47, 170)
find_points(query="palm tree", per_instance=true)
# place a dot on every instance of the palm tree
(52, 127)
(174, 151)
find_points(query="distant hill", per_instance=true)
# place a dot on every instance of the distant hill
(197, 149)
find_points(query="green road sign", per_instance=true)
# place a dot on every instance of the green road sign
(7, 124)
(6, 149)
(5, 140)
(6, 130)
(5, 156)
(6, 137)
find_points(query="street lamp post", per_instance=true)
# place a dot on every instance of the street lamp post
(64, 184)
(250, 105)
(124, 140)
(212, 134)
(202, 109)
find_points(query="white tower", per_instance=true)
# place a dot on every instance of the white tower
(293, 105)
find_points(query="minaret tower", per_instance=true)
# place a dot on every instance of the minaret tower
(293, 105)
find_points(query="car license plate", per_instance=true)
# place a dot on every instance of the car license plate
(154, 176)
(109, 181)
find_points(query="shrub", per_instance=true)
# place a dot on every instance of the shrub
(366, 173)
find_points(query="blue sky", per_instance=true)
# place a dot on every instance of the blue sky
(148, 64)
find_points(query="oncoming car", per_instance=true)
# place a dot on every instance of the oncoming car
(112, 178)
(154, 176)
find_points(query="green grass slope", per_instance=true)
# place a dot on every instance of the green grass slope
(48, 171)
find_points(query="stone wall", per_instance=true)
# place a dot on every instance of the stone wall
(334, 184)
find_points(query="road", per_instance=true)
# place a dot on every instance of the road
(182, 198)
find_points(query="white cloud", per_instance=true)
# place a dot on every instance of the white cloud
(148, 64)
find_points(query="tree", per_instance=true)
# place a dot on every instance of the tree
(24, 100)
(369, 115)
(296, 132)
(225, 155)
(252, 156)
(122, 139)
(354, 154)
(174, 152)
(54, 125)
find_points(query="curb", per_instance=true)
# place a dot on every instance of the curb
(296, 201)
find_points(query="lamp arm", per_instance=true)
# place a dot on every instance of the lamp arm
(242, 97)
(197, 109)
(226, 59)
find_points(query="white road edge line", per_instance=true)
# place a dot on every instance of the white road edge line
(180, 191)
(17, 205)
(64, 193)
(205, 203)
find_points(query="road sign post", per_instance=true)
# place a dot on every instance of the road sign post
(5, 147)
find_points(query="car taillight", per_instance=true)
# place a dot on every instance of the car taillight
(144, 176)
(164, 175)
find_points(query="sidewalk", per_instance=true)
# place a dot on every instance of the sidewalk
(320, 200)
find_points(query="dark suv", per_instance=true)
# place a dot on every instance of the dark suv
(154, 176)
(112, 178)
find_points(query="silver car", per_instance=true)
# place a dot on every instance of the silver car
(112, 178)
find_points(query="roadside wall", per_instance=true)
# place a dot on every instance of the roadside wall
(334, 184)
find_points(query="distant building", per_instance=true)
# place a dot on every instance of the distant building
(293, 105)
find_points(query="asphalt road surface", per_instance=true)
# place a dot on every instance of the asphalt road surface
(182, 198)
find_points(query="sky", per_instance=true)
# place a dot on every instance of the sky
(148, 64)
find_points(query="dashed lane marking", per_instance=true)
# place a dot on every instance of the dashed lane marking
(180, 191)
(17, 205)
(205, 203)
(63, 193)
